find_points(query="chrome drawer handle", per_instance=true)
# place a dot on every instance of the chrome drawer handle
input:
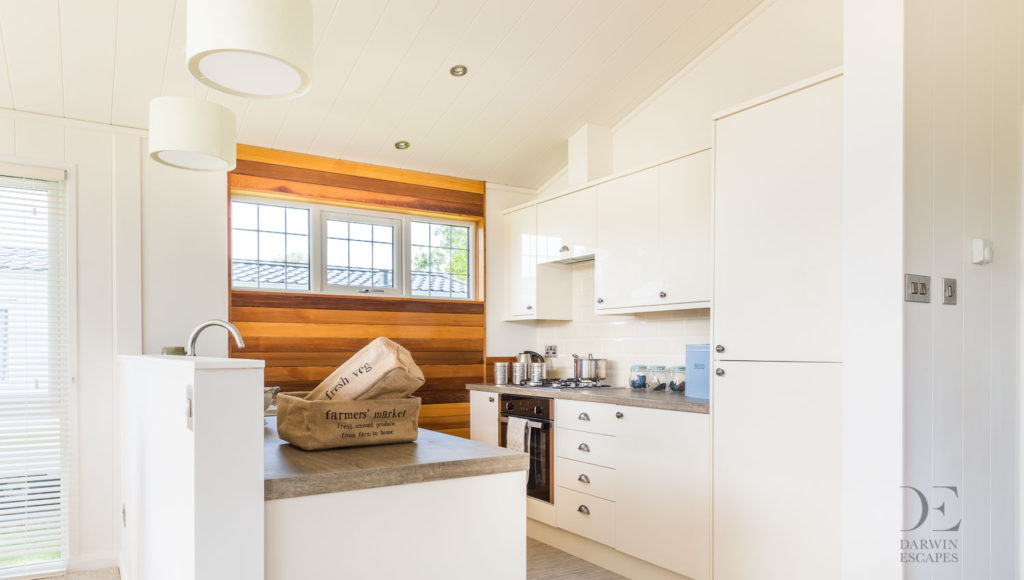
(490, 399)
(529, 307)
(584, 447)
(662, 294)
(584, 417)
(600, 300)
(719, 372)
(563, 249)
(618, 414)
(583, 510)
(583, 478)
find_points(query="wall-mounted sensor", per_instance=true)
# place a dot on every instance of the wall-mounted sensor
(981, 251)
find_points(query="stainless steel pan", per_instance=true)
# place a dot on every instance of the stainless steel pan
(590, 368)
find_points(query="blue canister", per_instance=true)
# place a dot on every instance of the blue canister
(698, 371)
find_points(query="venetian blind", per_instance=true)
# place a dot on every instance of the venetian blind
(35, 374)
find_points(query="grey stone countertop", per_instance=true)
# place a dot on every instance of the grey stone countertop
(666, 400)
(291, 472)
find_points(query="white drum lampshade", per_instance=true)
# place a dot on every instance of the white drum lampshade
(251, 48)
(188, 133)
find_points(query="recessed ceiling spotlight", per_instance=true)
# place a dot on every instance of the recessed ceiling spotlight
(401, 145)
(458, 70)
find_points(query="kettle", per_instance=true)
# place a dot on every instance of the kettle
(528, 356)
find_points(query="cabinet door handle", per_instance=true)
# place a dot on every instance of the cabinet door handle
(584, 417)
(583, 478)
(583, 510)
(564, 249)
(600, 300)
(719, 348)
(719, 372)
(584, 447)
(662, 295)
(490, 399)
(529, 307)
(618, 414)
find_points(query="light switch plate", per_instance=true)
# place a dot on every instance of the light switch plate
(917, 288)
(949, 290)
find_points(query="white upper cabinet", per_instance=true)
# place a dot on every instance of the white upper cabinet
(532, 291)
(778, 186)
(625, 264)
(654, 238)
(566, 227)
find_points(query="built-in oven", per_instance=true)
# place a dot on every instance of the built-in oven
(539, 415)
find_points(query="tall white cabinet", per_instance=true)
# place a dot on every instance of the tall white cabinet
(776, 321)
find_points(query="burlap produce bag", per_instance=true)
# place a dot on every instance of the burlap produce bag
(382, 369)
(312, 425)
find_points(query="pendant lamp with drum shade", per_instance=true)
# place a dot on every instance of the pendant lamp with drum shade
(190, 133)
(251, 48)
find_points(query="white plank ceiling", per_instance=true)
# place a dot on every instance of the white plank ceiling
(538, 70)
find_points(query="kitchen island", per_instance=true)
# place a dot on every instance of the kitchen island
(408, 510)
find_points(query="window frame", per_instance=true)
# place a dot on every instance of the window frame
(318, 216)
(276, 203)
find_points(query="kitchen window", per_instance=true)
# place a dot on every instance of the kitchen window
(300, 247)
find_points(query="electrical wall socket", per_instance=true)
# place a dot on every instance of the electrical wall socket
(550, 350)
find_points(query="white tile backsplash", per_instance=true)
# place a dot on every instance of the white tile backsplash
(623, 339)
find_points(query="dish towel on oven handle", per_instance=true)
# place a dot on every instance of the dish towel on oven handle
(518, 436)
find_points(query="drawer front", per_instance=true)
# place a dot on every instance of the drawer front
(586, 515)
(587, 478)
(584, 416)
(586, 447)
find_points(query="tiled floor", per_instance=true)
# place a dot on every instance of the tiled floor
(546, 563)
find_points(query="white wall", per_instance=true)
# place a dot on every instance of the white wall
(778, 44)
(185, 249)
(503, 338)
(109, 165)
(962, 181)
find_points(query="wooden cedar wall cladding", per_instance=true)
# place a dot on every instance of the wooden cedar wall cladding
(303, 337)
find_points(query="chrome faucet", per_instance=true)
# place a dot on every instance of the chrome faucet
(192, 338)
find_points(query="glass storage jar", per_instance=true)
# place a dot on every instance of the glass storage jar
(638, 376)
(657, 378)
(677, 378)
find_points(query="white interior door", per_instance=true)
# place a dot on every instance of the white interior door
(778, 252)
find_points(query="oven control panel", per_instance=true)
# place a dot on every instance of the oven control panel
(523, 406)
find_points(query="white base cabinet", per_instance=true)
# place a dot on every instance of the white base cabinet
(483, 417)
(777, 471)
(664, 499)
(638, 480)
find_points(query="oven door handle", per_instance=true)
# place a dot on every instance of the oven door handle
(533, 424)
